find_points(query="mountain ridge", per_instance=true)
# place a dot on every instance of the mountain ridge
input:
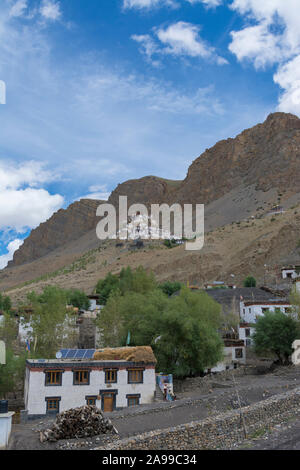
(258, 168)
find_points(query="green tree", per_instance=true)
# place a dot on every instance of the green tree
(106, 286)
(183, 331)
(250, 281)
(5, 303)
(170, 288)
(189, 341)
(53, 325)
(79, 299)
(127, 281)
(275, 333)
(12, 373)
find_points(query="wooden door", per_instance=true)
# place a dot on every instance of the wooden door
(108, 402)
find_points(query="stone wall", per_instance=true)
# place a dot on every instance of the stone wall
(224, 431)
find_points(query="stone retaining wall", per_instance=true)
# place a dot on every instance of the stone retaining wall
(224, 431)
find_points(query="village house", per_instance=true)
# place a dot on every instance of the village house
(234, 355)
(290, 272)
(111, 379)
(250, 311)
(94, 303)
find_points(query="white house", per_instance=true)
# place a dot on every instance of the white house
(246, 331)
(234, 355)
(110, 379)
(94, 303)
(251, 310)
(290, 272)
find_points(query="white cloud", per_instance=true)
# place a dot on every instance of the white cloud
(179, 39)
(18, 8)
(288, 78)
(148, 46)
(257, 44)
(208, 3)
(272, 38)
(148, 4)
(50, 10)
(22, 204)
(11, 248)
(97, 192)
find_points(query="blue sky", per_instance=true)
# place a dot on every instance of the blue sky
(101, 91)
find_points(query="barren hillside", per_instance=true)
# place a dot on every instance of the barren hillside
(239, 180)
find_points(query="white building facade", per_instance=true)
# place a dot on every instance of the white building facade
(53, 386)
(250, 311)
(234, 356)
(290, 272)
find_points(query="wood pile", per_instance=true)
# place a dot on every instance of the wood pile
(85, 421)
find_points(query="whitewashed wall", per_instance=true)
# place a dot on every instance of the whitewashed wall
(73, 396)
(248, 314)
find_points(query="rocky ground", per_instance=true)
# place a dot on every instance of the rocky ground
(199, 398)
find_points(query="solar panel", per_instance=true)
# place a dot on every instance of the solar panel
(89, 353)
(80, 353)
(64, 353)
(71, 353)
(77, 353)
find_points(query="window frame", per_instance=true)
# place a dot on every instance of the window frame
(133, 396)
(91, 397)
(241, 352)
(81, 371)
(137, 370)
(108, 372)
(52, 410)
(51, 372)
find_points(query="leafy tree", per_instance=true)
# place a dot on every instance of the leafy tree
(275, 333)
(170, 288)
(189, 341)
(79, 299)
(12, 373)
(182, 330)
(53, 326)
(250, 281)
(5, 303)
(128, 281)
(106, 286)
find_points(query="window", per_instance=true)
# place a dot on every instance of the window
(238, 353)
(135, 376)
(53, 404)
(248, 342)
(91, 400)
(111, 376)
(287, 310)
(81, 377)
(247, 332)
(133, 400)
(53, 377)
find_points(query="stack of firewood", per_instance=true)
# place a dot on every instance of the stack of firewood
(85, 421)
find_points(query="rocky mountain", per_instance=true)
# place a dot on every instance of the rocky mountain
(267, 156)
(235, 179)
(63, 227)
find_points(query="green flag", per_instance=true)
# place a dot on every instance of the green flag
(128, 339)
